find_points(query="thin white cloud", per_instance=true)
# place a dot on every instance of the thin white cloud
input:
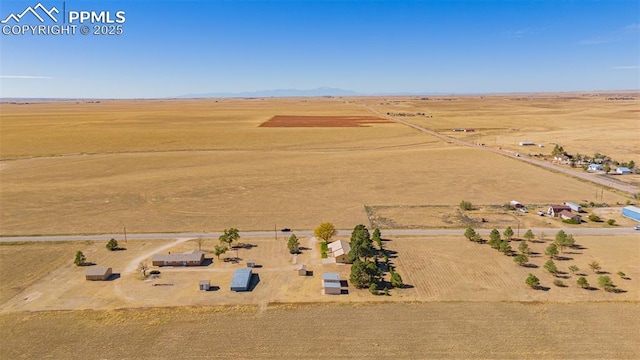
(632, 27)
(24, 77)
(626, 67)
(612, 36)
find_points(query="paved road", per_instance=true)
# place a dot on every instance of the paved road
(585, 176)
(284, 235)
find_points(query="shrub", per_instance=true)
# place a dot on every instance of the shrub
(466, 205)
(533, 281)
(594, 218)
(571, 221)
(323, 249)
(611, 222)
(559, 283)
(582, 282)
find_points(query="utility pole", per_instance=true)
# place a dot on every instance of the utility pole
(125, 234)
(275, 230)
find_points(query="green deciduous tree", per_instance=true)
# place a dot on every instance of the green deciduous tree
(396, 280)
(373, 288)
(532, 281)
(550, 266)
(611, 222)
(606, 283)
(293, 244)
(563, 240)
(219, 250)
(529, 235)
(524, 248)
(112, 244)
(595, 267)
(470, 233)
(229, 236)
(325, 232)
(80, 259)
(622, 274)
(521, 259)
(582, 282)
(551, 251)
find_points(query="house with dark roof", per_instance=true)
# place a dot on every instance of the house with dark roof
(568, 215)
(190, 258)
(555, 210)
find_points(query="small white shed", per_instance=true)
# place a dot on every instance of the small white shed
(302, 270)
(204, 285)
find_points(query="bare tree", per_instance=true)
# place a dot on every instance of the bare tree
(200, 241)
(143, 267)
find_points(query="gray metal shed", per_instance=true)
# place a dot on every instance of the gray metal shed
(241, 279)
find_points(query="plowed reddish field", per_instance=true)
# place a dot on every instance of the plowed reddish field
(322, 121)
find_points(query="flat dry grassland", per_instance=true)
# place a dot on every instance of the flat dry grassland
(436, 330)
(193, 165)
(582, 123)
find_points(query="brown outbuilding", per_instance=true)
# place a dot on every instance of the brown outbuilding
(98, 274)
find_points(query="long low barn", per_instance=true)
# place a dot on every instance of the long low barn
(631, 212)
(241, 279)
(191, 258)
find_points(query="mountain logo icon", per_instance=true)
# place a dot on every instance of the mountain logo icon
(34, 11)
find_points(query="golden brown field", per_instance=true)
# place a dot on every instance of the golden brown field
(193, 165)
(442, 330)
(204, 165)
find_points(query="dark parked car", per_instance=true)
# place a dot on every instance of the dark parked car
(285, 229)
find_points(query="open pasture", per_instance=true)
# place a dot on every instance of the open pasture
(436, 330)
(194, 165)
(583, 123)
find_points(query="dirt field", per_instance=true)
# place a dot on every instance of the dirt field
(435, 330)
(323, 121)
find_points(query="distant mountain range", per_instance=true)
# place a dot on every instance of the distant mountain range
(321, 91)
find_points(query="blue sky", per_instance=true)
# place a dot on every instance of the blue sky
(170, 48)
